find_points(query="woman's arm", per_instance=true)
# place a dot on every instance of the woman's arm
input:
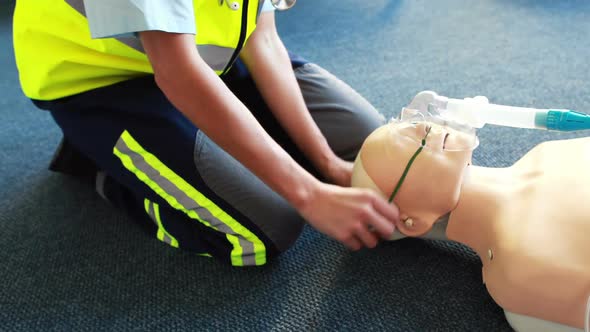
(342, 213)
(268, 62)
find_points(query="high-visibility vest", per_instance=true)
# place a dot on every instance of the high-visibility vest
(56, 57)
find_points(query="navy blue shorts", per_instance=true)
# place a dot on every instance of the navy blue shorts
(167, 174)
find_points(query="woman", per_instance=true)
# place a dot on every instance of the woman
(213, 160)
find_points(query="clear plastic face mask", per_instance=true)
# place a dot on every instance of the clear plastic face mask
(463, 138)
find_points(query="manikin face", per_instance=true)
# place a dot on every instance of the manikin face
(432, 185)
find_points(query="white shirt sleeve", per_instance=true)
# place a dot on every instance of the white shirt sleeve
(116, 18)
(267, 6)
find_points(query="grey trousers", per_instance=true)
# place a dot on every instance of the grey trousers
(188, 192)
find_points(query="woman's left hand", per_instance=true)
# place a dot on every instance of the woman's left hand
(338, 172)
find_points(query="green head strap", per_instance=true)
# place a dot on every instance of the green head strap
(405, 173)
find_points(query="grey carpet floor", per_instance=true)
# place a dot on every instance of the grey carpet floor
(69, 262)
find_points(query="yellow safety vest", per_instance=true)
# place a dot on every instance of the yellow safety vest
(56, 57)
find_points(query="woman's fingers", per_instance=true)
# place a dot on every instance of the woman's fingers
(366, 236)
(352, 243)
(353, 216)
(385, 217)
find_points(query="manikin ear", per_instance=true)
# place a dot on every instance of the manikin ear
(413, 226)
(437, 231)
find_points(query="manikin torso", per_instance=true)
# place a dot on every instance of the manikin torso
(529, 223)
(531, 227)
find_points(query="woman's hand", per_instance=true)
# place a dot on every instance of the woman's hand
(338, 171)
(353, 216)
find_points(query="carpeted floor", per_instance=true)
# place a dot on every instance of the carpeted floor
(69, 262)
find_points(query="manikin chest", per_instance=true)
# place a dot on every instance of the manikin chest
(537, 261)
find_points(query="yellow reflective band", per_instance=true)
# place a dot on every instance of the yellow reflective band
(154, 214)
(161, 229)
(236, 232)
(174, 242)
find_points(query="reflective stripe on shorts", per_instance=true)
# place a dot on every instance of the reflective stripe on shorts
(153, 210)
(247, 250)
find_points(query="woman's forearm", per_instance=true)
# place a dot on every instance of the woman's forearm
(203, 98)
(268, 61)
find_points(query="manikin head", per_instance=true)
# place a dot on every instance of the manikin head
(432, 185)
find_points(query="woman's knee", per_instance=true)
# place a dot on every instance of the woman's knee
(254, 245)
(287, 230)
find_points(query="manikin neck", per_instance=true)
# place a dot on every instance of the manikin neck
(486, 193)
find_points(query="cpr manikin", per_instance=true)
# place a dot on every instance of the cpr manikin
(529, 223)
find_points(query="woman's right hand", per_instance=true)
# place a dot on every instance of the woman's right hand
(356, 217)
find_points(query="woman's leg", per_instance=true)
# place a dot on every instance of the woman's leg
(169, 175)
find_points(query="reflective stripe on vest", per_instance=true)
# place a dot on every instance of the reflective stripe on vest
(247, 250)
(57, 58)
(134, 43)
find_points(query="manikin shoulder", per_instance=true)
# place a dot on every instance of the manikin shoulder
(563, 152)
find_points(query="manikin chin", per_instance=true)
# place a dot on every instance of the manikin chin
(529, 223)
